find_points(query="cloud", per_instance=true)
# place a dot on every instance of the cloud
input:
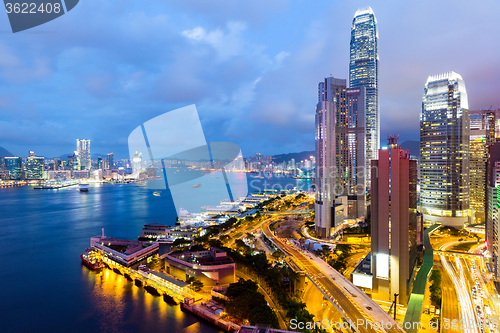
(226, 44)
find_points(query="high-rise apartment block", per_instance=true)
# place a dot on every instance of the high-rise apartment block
(110, 161)
(493, 206)
(137, 162)
(394, 222)
(444, 151)
(83, 149)
(363, 72)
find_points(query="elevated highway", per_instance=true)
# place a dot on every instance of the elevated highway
(354, 305)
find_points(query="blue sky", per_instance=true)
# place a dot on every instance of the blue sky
(251, 68)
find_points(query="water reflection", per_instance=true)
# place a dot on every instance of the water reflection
(120, 306)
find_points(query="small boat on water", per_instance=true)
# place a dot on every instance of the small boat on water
(84, 187)
(90, 259)
(196, 185)
(157, 193)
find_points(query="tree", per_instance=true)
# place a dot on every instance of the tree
(195, 283)
(215, 243)
(263, 314)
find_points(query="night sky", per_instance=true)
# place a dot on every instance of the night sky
(251, 67)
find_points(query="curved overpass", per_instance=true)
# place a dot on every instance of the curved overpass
(352, 303)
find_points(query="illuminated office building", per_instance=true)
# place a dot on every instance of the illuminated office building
(340, 151)
(493, 206)
(482, 135)
(363, 72)
(444, 151)
(83, 149)
(34, 167)
(15, 167)
(394, 222)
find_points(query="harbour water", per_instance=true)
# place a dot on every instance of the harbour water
(44, 286)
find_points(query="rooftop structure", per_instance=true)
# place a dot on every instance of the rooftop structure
(211, 266)
(124, 252)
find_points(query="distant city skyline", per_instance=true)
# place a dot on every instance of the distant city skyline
(250, 69)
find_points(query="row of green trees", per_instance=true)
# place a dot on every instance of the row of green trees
(435, 287)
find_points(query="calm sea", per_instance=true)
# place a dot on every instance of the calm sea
(44, 287)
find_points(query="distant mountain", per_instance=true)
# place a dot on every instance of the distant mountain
(412, 146)
(5, 153)
(305, 155)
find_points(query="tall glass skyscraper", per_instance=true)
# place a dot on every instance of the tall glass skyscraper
(444, 151)
(363, 71)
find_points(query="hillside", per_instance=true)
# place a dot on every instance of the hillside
(5, 153)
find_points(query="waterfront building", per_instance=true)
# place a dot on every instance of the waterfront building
(59, 175)
(34, 167)
(493, 207)
(153, 231)
(81, 174)
(137, 162)
(15, 167)
(124, 252)
(340, 150)
(212, 267)
(100, 164)
(110, 161)
(394, 222)
(83, 149)
(444, 151)
(363, 72)
(483, 124)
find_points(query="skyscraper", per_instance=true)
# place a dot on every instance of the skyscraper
(34, 166)
(340, 149)
(444, 151)
(363, 72)
(482, 135)
(83, 149)
(493, 206)
(394, 222)
(137, 162)
(15, 167)
(110, 161)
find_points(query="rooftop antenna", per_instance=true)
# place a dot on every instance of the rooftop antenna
(103, 236)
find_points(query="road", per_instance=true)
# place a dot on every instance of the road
(462, 287)
(345, 298)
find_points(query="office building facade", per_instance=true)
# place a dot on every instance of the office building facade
(83, 149)
(444, 151)
(363, 72)
(34, 167)
(15, 167)
(393, 222)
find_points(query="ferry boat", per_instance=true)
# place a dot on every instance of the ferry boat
(90, 260)
(156, 193)
(84, 187)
